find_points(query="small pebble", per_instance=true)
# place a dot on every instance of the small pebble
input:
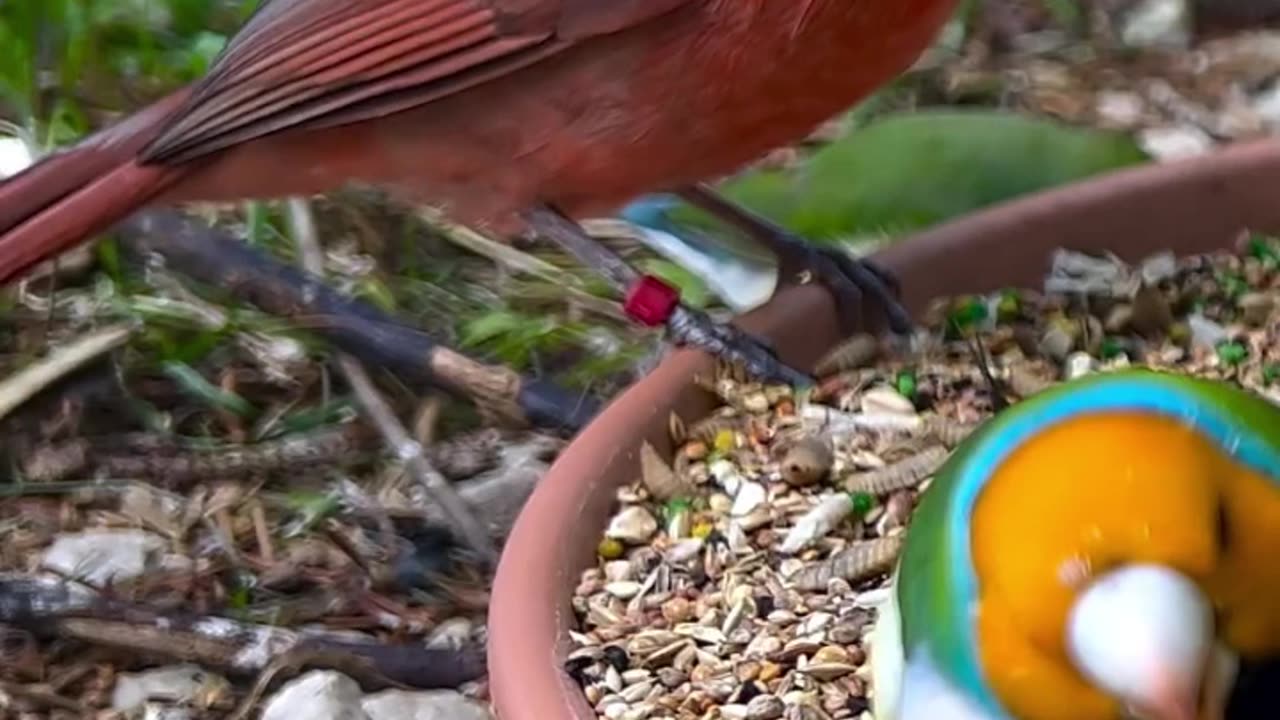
(634, 526)
(806, 462)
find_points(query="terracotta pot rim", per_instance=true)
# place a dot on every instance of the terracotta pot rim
(1185, 206)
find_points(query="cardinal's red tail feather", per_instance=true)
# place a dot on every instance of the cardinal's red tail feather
(70, 196)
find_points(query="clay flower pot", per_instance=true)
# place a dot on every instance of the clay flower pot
(1189, 206)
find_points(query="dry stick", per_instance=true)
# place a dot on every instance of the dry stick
(177, 464)
(44, 604)
(210, 256)
(42, 696)
(163, 458)
(61, 362)
(521, 262)
(380, 414)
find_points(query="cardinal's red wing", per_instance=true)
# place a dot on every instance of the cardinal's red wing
(318, 63)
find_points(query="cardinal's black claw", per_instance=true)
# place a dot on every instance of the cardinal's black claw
(854, 281)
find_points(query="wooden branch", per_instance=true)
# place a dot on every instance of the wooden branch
(209, 255)
(53, 606)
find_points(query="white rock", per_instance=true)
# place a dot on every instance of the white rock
(623, 589)
(175, 683)
(1158, 267)
(317, 695)
(737, 538)
(1158, 23)
(432, 705)
(160, 711)
(822, 519)
(615, 710)
(727, 475)
(102, 556)
(14, 156)
(635, 676)
(1175, 143)
(1119, 109)
(1205, 332)
(750, 496)
(886, 400)
(1265, 103)
(719, 503)
(685, 551)
(619, 571)
(452, 633)
(633, 525)
(638, 712)
(1079, 364)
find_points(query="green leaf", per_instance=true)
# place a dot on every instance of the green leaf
(906, 384)
(489, 326)
(373, 290)
(1232, 353)
(862, 503)
(310, 418)
(311, 507)
(909, 171)
(194, 384)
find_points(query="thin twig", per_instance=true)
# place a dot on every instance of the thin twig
(51, 605)
(42, 696)
(500, 253)
(175, 461)
(21, 386)
(998, 400)
(466, 525)
(179, 464)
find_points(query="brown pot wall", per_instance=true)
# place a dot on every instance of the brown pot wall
(1189, 206)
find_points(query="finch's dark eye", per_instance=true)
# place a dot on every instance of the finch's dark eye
(1223, 527)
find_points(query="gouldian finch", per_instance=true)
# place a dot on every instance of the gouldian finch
(1102, 550)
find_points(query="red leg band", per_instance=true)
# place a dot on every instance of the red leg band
(651, 301)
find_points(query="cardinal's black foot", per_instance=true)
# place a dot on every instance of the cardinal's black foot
(654, 303)
(689, 327)
(853, 281)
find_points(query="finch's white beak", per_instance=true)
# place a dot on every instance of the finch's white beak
(1145, 634)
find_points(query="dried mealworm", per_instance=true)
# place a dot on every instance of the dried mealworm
(57, 462)
(855, 352)
(947, 431)
(901, 475)
(860, 561)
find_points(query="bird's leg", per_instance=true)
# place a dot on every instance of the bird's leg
(652, 302)
(851, 280)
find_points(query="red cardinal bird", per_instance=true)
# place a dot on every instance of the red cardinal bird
(508, 115)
